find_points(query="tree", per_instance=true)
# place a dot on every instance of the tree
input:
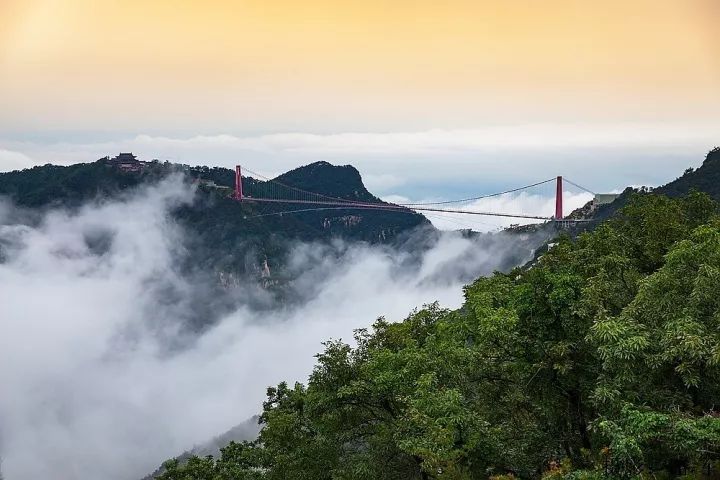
(599, 360)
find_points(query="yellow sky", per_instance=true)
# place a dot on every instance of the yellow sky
(310, 65)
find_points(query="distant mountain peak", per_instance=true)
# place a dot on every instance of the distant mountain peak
(343, 181)
(322, 167)
(705, 178)
(319, 163)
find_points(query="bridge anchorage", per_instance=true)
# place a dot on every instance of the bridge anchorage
(524, 202)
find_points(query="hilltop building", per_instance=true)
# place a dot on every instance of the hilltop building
(127, 162)
(126, 158)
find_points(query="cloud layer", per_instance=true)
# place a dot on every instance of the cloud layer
(479, 160)
(98, 378)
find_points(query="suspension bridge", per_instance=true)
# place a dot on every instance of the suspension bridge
(259, 189)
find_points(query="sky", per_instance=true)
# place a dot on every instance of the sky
(428, 99)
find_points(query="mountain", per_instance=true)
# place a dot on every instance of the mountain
(705, 178)
(261, 227)
(326, 179)
(69, 186)
(241, 246)
(218, 224)
(237, 239)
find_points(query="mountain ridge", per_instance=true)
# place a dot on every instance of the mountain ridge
(215, 215)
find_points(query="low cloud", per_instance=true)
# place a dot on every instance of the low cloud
(382, 182)
(412, 163)
(99, 379)
(11, 160)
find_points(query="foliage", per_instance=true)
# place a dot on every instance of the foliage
(237, 462)
(218, 226)
(706, 178)
(600, 360)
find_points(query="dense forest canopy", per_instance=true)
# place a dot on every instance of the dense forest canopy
(218, 225)
(600, 360)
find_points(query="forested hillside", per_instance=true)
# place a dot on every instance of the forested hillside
(601, 360)
(219, 226)
(705, 178)
(224, 227)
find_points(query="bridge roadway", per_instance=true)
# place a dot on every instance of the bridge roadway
(393, 207)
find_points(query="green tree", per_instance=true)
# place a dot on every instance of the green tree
(599, 360)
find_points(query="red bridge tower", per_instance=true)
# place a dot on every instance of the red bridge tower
(238, 183)
(558, 199)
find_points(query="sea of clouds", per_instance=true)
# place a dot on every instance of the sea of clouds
(98, 377)
(418, 164)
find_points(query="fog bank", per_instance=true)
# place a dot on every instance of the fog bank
(92, 382)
